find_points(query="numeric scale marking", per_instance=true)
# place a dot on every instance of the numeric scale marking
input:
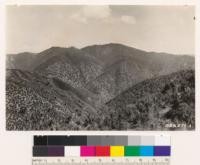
(101, 161)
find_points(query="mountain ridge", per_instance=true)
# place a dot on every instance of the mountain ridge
(84, 88)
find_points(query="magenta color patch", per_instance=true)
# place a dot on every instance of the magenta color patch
(87, 151)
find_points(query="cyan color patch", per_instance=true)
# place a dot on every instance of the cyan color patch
(146, 151)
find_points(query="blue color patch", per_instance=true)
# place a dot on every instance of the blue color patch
(146, 151)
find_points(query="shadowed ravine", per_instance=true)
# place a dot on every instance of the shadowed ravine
(100, 87)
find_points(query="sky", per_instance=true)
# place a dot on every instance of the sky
(169, 29)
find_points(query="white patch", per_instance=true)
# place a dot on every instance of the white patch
(128, 19)
(91, 12)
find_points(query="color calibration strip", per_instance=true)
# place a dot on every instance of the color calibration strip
(101, 146)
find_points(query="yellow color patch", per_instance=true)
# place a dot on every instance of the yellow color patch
(116, 151)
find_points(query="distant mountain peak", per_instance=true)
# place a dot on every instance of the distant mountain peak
(53, 48)
(112, 45)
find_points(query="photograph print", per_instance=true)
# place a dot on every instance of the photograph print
(79, 67)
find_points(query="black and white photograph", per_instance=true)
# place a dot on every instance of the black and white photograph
(104, 67)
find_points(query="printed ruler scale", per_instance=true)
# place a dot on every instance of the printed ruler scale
(101, 161)
(101, 150)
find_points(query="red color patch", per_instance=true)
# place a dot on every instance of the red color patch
(102, 150)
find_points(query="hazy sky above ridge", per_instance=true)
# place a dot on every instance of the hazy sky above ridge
(168, 29)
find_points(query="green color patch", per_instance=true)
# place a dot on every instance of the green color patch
(132, 151)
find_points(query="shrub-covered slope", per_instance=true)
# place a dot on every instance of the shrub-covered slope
(154, 104)
(34, 102)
